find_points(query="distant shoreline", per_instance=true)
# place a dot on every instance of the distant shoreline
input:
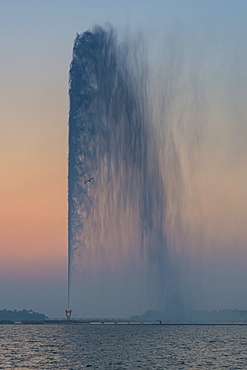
(114, 323)
(151, 317)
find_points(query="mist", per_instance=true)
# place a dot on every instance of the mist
(160, 125)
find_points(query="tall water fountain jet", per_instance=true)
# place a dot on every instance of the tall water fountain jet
(124, 179)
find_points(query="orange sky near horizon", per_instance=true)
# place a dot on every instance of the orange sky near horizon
(33, 216)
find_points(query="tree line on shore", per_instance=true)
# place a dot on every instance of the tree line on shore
(14, 315)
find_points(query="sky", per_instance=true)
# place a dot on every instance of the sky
(36, 41)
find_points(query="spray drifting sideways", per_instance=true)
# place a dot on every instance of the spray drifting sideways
(121, 227)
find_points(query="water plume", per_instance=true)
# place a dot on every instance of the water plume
(118, 221)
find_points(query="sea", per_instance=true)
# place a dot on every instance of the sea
(115, 346)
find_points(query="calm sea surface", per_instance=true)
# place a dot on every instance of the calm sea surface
(123, 347)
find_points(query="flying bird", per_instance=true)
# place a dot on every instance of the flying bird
(91, 178)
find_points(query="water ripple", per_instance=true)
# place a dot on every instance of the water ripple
(120, 347)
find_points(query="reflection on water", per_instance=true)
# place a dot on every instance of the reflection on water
(123, 347)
